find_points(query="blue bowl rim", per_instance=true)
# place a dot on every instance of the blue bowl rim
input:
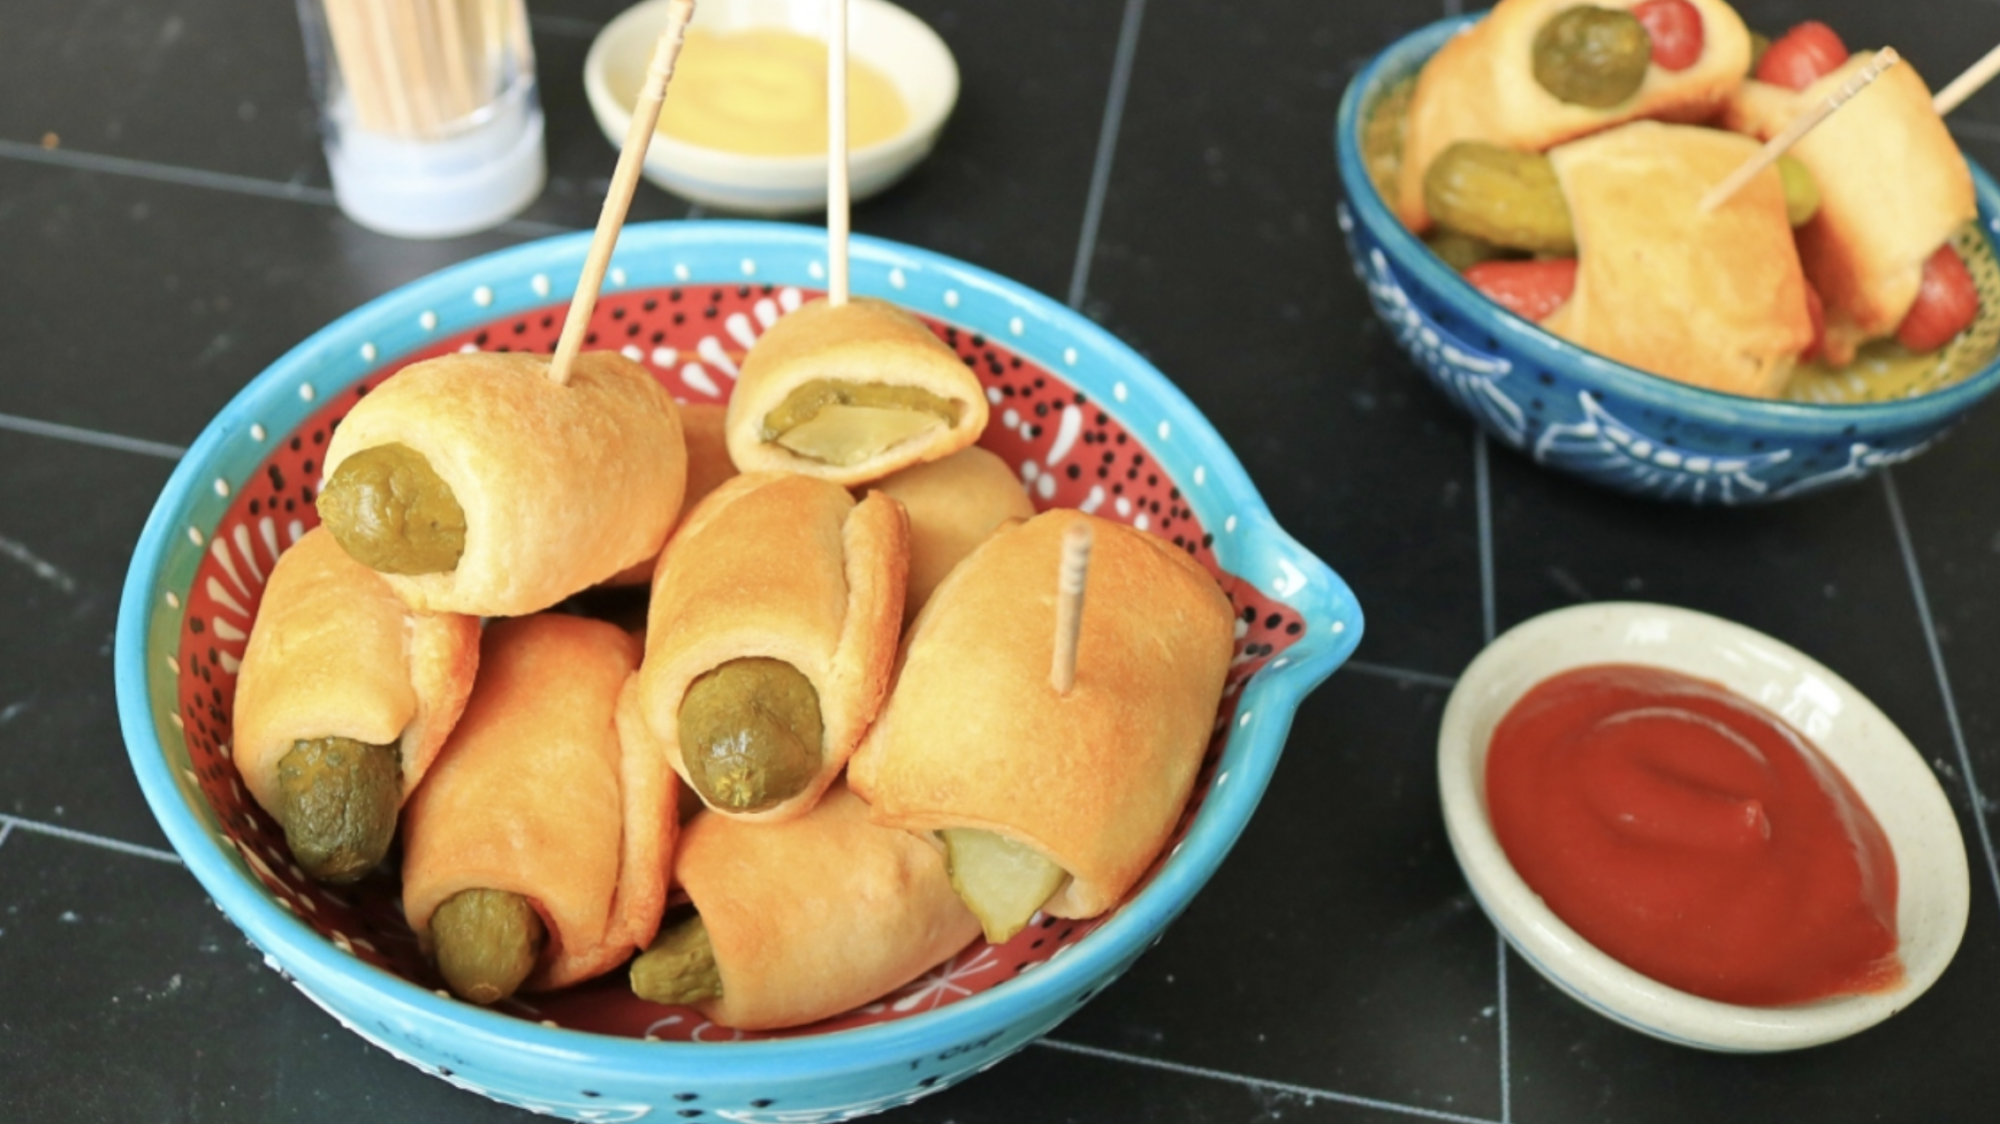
(318, 967)
(1408, 252)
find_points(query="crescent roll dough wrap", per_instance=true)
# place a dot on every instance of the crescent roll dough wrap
(562, 486)
(1892, 187)
(953, 505)
(708, 465)
(864, 343)
(1716, 300)
(551, 788)
(1481, 87)
(816, 916)
(788, 568)
(974, 735)
(335, 653)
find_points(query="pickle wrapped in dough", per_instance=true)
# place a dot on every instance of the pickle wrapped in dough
(1893, 187)
(476, 484)
(799, 921)
(1047, 800)
(772, 629)
(535, 854)
(1484, 85)
(953, 505)
(1715, 299)
(851, 393)
(343, 699)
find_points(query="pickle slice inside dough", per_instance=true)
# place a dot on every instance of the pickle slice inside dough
(841, 422)
(846, 435)
(1002, 882)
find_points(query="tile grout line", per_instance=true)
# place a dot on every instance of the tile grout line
(71, 835)
(177, 175)
(1483, 490)
(1482, 486)
(1305, 1091)
(1400, 674)
(78, 160)
(91, 437)
(1917, 590)
(1107, 147)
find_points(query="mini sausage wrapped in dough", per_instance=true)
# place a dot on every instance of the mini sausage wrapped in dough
(1482, 86)
(342, 701)
(772, 628)
(535, 853)
(476, 484)
(799, 921)
(1068, 795)
(850, 393)
(1893, 187)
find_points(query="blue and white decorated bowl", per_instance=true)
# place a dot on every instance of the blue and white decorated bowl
(1572, 410)
(1090, 425)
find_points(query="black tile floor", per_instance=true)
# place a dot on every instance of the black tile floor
(166, 231)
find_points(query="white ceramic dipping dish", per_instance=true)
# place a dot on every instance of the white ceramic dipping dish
(893, 41)
(1885, 769)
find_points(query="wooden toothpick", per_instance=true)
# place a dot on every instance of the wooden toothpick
(1075, 570)
(1967, 84)
(1776, 146)
(836, 152)
(631, 158)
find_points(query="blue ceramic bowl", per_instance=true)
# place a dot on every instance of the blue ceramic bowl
(1090, 423)
(1573, 410)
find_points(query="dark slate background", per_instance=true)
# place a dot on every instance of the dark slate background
(180, 235)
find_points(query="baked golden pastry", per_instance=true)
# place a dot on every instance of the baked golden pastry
(1715, 299)
(1893, 187)
(851, 394)
(953, 505)
(809, 918)
(559, 487)
(550, 791)
(335, 654)
(708, 465)
(773, 624)
(1481, 86)
(974, 736)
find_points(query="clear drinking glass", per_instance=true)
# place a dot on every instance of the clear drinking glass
(428, 109)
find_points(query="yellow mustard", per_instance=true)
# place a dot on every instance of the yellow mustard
(763, 93)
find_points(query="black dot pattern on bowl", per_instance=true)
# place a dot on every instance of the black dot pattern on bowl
(1055, 428)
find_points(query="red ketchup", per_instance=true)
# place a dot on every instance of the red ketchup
(1694, 837)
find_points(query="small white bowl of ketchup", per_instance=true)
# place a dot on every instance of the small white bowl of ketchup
(750, 88)
(1692, 840)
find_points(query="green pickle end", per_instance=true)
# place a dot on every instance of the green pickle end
(750, 734)
(338, 800)
(1590, 56)
(1801, 190)
(487, 943)
(1500, 196)
(393, 513)
(679, 966)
